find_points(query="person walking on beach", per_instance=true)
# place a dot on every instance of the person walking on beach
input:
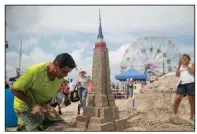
(35, 88)
(130, 90)
(186, 72)
(61, 97)
(89, 85)
(126, 88)
(82, 89)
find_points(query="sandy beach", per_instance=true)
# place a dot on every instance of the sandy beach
(152, 111)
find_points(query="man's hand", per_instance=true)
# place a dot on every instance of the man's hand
(50, 109)
(38, 110)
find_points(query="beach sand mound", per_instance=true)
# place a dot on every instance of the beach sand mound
(152, 111)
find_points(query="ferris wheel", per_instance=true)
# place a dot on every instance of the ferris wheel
(151, 55)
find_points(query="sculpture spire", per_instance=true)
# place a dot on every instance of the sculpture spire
(100, 34)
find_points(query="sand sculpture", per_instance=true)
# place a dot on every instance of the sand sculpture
(101, 113)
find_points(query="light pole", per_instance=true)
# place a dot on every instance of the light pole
(6, 47)
(6, 42)
(163, 67)
(164, 56)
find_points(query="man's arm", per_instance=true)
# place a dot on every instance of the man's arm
(22, 84)
(21, 95)
(191, 69)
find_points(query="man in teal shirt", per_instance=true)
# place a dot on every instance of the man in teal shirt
(36, 87)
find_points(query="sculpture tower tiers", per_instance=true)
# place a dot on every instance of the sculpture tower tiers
(101, 113)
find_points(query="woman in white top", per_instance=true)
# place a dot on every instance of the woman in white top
(82, 89)
(186, 73)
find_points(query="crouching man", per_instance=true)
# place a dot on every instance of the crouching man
(35, 87)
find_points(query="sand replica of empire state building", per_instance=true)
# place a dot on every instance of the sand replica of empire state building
(101, 113)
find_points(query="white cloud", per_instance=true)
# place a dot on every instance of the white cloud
(37, 55)
(34, 57)
(12, 59)
(187, 49)
(63, 44)
(30, 44)
(118, 23)
(27, 45)
(28, 15)
(59, 45)
(78, 54)
(50, 19)
(82, 61)
(79, 44)
(116, 56)
(120, 38)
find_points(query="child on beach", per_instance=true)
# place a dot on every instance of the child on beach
(186, 72)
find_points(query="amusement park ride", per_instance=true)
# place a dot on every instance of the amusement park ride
(151, 55)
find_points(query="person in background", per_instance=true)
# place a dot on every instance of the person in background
(113, 86)
(186, 72)
(59, 98)
(82, 89)
(130, 86)
(89, 86)
(72, 85)
(89, 90)
(117, 86)
(126, 85)
(35, 88)
(66, 92)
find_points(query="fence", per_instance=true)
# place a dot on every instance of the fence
(119, 93)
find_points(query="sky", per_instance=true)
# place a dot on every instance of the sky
(46, 31)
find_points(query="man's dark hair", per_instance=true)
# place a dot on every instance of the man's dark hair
(64, 60)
